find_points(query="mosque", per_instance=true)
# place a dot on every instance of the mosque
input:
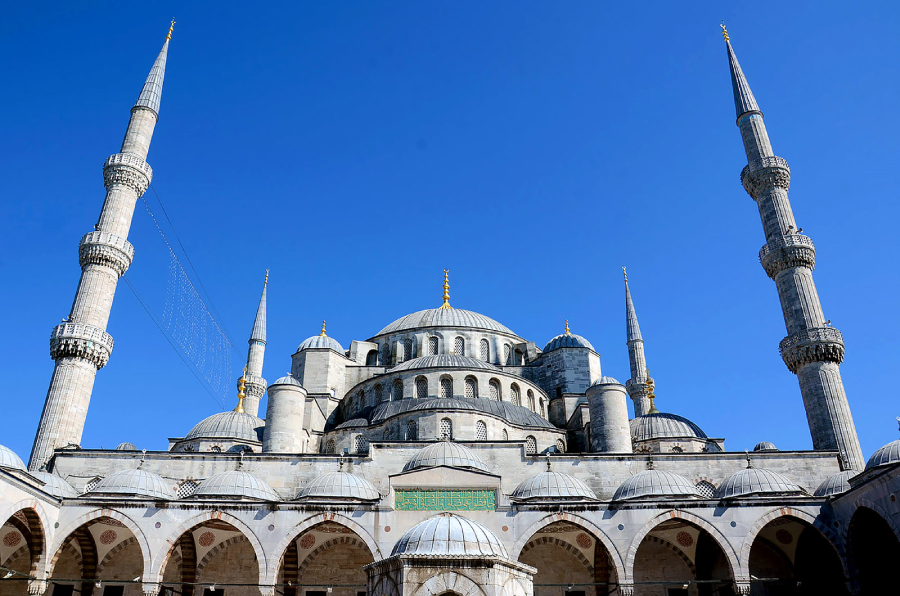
(448, 455)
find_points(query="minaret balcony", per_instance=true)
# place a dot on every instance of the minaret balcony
(75, 340)
(762, 174)
(790, 250)
(129, 170)
(103, 248)
(820, 344)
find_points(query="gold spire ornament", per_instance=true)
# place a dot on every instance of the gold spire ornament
(323, 330)
(625, 273)
(650, 385)
(567, 328)
(724, 31)
(446, 303)
(169, 34)
(266, 282)
(241, 392)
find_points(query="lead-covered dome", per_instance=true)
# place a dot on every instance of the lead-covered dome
(444, 361)
(126, 447)
(765, 446)
(664, 426)
(134, 483)
(655, 483)
(835, 485)
(756, 482)
(553, 486)
(449, 535)
(605, 381)
(889, 454)
(445, 453)
(9, 459)
(508, 411)
(286, 380)
(54, 485)
(340, 485)
(445, 317)
(568, 340)
(228, 425)
(321, 341)
(236, 483)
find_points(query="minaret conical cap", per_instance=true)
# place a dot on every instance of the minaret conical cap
(151, 94)
(632, 329)
(259, 324)
(743, 98)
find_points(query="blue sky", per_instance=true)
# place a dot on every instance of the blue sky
(359, 148)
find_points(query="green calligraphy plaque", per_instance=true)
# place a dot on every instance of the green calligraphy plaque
(445, 500)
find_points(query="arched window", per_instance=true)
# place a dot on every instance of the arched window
(480, 431)
(485, 350)
(379, 394)
(407, 349)
(530, 445)
(543, 409)
(531, 400)
(505, 435)
(361, 399)
(186, 488)
(459, 347)
(507, 354)
(386, 355)
(560, 446)
(432, 346)
(421, 388)
(361, 444)
(446, 429)
(215, 449)
(329, 446)
(446, 388)
(397, 390)
(706, 489)
(494, 387)
(515, 394)
(677, 449)
(412, 430)
(471, 387)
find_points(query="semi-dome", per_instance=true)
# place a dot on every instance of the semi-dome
(134, 483)
(236, 483)
(9, 459)
(664, 426)
(756, 482)
(889, 454)
(54, 485)
(568, 340)
(606, 381)
(126, 447)
(228, 425)
(286, 380)
(508, 411)
(340, 485)
(445, 317)
(835, 485)
(765, 446)
(444, 361)
(445, 453)
(553, 486)
(449, 535)
(321, 341)
(655, 483)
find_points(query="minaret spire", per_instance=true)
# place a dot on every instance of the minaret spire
(80, 346)
(813, 350)
(252, 377)
(637, 385)
(446, 303)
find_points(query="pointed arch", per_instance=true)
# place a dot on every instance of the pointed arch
(449, 581)
(37, 528)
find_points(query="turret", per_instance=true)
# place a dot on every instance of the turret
(813, 350)
(637, 384)
(256, 384)
(284, 431)
(610, 429)
(80, 346)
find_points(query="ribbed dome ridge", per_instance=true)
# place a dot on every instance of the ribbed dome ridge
(662, 425)
(54, 485)
(228, 425)
(755, 481)
(135, 483)
(553, 485)
(655, 483)
(126, 447)
(835, 485)
(340, 485)
(889, 454)
(321, 341)
(444, 361)
(568, 340)
(236, 483)
(765, 446)
(445, 317)
(445, 453)
(9, 459)
(448, 535)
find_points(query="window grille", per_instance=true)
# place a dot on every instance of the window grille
(471, 388)
(361, 444)
(412, 430)
(560, 446)
(407, 349)
(386, 355)
(515, 396)
(186, 489)
(446, 388)
(507, 354)
(459, 346)
(446, 429)
(361, 399)
(494, 387)
(543, 409)
(530, 445)
(329, 446)
(92, 484)
(480, 431)
(706, 489)
(485, 350)
(397, 390)
(432, 346)
(215, 449)
(421, 388)
(379, 394)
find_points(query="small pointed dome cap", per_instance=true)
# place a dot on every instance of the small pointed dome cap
(744, 101)
(445, 453)
(449, 535)
(9, 459)
(134, 483)
(236, 483)
(835, 485)
(756, 482)
(340, 486)
(151, 93)
(553, 486)
(655, 483)
(889, 454)
(54, 485)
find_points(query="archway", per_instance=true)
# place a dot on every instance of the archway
(564, 554)
(324, 559)
(790, 557)
(22, 546)
(875, 550)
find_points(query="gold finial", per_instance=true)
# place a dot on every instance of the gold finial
(265, 283)
(650, 385)
(625, 273)
(724, 31)
(567, 327)
(172, 26)
(446, 303)
(241, 392)
(323, 330)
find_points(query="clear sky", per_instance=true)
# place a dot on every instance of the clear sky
(359, 148)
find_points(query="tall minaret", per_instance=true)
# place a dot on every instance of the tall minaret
(80, 345)
(637, 384)
(813, 350)
(255, 384)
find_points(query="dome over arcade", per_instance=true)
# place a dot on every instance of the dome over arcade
(756, 482)
(134, 483)
(236, 483)
(340, 485)
(449, 535)
(9, 459)
(664, 426)
(444, 361)
(228, 425)
(655, 483)
(889, 454)
(835, 485)
(445, 453)
(568, 340)
(765, 446)
(553, 486)
(54, 485)
(445, 317)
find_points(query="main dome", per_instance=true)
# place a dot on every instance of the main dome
(445, 453)
(228, 425)
(444, 361)
(448, 535)
(445, 317)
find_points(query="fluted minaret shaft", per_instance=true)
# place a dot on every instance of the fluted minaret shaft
(255, 383)
(813, 350)
(80, 346)
(637, 384)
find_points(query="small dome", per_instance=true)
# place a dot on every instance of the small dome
(340, 485)
(445, 453)
(321, 341)
(568, 340)
(287, 380)
(835, 485)
(9, 459)
(889, 454)
(126, 447)
(54, 485)
(755, 481)
(450, 535)
(236, 484)
(228, 425)
(445, 317)
(553, 486)
(664, 426)
(655, 483)
(765, 446)
(606, 381)
(444, 361)
(134, 483)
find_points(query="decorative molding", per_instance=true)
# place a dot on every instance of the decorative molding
(109, 250)
(765, 173)
(127, 169)
(820, 344)
(791, 250)
(76, 340)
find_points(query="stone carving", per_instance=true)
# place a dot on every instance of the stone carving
(128, 170)
(791, 250)
(821, 344)
(763, 174)
(75, 340)
(103, 248)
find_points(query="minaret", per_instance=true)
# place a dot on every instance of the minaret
(813, 350)
(637, 384)
(80, 345)
(255, 383)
